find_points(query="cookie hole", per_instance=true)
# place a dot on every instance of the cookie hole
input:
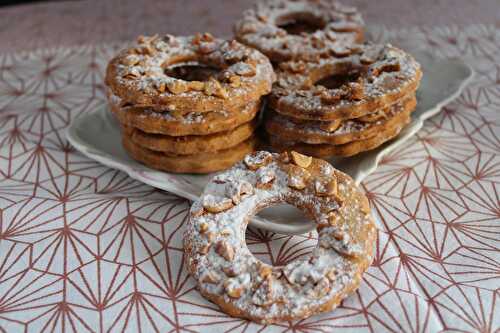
(298, 23)
(279, 249)
(191, 72)
(338, 80)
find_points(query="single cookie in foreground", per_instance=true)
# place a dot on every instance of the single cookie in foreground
(229, 275)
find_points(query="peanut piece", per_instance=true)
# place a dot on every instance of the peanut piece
(301, 160)
(322, 288)
(226, 232)
(334, 219)
(232, 288)
(209, 88)
(215, 204)
(203, 227)
(225, 250)
(197, 211)
(131, 60)
(131, 75)
(210, 277)
(325, 187)
(265, 271)
(338, 234)
(219, 90)
(357, 91)
(235, 81)
(197, 85)
(332, 274)
(235, 191)
(177, 87)
(284, 157)
(257, 159)
(231, 271)
(330, 126)
(370, 55)
(161, 87)
(244, 69)
(210, 236)
(207, 47)
(204, 249)
(265, 178)
(297, 177)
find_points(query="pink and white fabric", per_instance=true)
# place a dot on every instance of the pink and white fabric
(85, 248)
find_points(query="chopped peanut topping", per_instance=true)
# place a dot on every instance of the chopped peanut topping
(216, 204)
(225, 250)
(301, 160)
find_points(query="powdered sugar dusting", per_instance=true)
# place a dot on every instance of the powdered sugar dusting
(260, 28)
(138, 73)
(266, 293)
(393, 73)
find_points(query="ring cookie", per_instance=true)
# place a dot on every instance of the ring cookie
(344, 150)
(374, 77)
(142, 75)
(192, 144)
(194, 123)
(349, 130)
(301, 29)
(229, 275)
(199, 163)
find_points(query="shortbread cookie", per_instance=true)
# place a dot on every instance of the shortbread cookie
(302, 29)
(228, 274)
(345, 150)
(197, 163)
(350, 130)
(144, 76)
(150, 121)
(192, 144)
(369, 78)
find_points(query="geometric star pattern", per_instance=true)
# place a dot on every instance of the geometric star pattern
(84, 248)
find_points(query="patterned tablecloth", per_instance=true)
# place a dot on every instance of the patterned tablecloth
(86, 248)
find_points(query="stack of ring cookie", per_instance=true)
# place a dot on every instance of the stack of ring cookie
(188, 104)
(287, 30)
(229, 275)
(342, 106)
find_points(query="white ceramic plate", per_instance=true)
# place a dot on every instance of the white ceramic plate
(97, 135)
